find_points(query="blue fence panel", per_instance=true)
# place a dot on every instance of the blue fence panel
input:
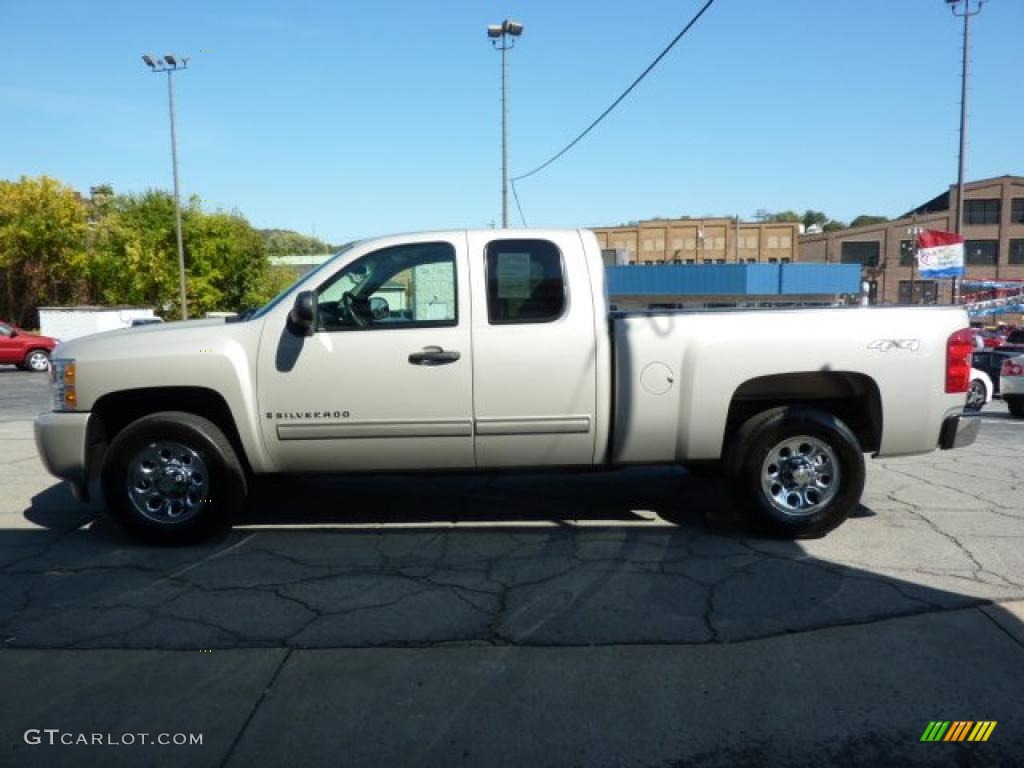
(732, 279)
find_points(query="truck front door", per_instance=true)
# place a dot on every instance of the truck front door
(385, 379)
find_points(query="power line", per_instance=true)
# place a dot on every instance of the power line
(615, 103)
(519, 207)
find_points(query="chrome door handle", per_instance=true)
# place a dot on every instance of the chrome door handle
(434, 356)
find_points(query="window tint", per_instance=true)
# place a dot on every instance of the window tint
(981, 252)
(524, 282)
(407, 286)
(918, 292)
(1017, 252)
(865, 253)
(907, 253)
(981, 211)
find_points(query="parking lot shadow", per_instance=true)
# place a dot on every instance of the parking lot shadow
(632, 556)
(638, 591)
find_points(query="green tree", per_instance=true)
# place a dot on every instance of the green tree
(812, 218)
(59, 248)
(42, 246)
(865, 219)
(285, 242)
(833, 225)
(785, 216)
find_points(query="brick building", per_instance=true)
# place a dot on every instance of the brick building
(994, 248)
(703, 241)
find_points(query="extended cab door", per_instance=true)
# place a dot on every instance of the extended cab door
(385, 381)
(534, 350)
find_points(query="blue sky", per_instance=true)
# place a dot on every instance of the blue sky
(365, 118)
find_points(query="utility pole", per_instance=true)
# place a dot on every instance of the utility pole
(737, 238)
(914, 231)
(170, 64)
(507, 32)
(966, 15)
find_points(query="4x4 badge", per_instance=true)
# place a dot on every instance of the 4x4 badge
(884, 345)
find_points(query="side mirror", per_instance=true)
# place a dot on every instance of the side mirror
(379, 308)
(14, 332)
(303, 312)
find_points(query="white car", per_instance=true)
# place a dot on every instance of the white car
(980, 391)
(1011, 385)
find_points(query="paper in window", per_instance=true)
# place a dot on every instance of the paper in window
(513, 275)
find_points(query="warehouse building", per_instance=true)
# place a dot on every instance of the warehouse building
(994, 247)
(701, 241)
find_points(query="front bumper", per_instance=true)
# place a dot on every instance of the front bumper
(959, 431)
(63, 445)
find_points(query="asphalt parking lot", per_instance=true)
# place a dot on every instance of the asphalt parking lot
(625, 618)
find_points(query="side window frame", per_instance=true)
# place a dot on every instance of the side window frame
(412, 325)
(562, 273)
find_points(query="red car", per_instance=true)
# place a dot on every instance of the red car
(28, 351)
(989, 339)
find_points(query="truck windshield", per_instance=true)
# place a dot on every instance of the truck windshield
(280, 297)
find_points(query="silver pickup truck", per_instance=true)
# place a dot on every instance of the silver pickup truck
(490, 350)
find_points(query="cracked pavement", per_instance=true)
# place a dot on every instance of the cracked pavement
(555, 576)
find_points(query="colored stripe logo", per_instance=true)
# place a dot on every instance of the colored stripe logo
(958, 730)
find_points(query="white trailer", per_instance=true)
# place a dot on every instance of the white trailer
(67, 323)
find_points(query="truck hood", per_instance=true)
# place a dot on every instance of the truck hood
(148, 335)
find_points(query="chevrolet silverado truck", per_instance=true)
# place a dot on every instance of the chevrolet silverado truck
(494, 350)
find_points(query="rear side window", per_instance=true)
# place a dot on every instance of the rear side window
(525, 282)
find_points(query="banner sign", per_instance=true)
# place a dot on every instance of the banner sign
(990, 311)
(998, 285)
(940, 254)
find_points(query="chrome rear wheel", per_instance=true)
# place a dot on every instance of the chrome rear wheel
(800, 475)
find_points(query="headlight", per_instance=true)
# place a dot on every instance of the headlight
(63, 377)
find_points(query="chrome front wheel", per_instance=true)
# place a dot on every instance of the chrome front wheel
(167, 482)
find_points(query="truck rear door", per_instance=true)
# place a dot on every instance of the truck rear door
(534, 350)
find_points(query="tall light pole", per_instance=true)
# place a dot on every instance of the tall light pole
(503, 38)
(965, 14)
(170, 64)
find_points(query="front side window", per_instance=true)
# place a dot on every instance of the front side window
(5, 330)
(407, 286)
(525, 282)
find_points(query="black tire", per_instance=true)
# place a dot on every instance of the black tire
(37, 361)
(977, 394)
(208, 512)
(704, 469)
(761, 436)
(1016, 406)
